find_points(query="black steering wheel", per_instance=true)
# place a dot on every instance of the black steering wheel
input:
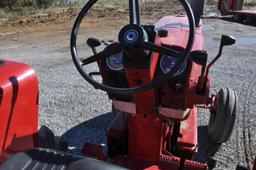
(131, 36)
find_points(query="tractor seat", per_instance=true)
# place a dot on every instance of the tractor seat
(44, 159)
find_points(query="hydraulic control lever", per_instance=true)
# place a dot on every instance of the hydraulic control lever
(226, 40)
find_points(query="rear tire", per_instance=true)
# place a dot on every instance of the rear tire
(222, 121)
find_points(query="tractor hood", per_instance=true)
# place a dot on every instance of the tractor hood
(178, 32)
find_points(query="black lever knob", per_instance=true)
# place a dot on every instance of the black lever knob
(227, 40)
(93, 42)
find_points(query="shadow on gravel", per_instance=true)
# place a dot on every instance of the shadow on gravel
(206, 149)
(93, 131)
(231, 19)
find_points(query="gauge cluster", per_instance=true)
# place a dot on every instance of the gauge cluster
(167, 63)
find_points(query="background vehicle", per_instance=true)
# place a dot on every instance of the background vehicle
(234, 7)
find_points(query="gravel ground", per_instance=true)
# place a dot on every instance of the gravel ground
(77, 112)
(236, 69)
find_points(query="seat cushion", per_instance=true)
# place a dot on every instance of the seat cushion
(45, 159)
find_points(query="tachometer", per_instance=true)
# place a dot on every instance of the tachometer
(167, 64)
(115, 62)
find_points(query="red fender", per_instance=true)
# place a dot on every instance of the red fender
(18, 108)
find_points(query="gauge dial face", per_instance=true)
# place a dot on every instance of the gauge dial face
(167, 64)
(115, 62)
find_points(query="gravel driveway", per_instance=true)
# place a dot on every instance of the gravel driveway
(77, 112)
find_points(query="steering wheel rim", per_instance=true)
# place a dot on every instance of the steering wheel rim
(132, 90)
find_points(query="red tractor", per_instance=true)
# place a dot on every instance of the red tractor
(156, 75)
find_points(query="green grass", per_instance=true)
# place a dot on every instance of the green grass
(250, 2)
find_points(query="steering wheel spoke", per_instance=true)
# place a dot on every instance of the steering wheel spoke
(161, 49)
(94, 58)
(110, 50)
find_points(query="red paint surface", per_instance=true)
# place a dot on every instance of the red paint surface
(138, 77)
(145, 137)
(186, 96)
(18, 108)
(147, 133)
(188, 131)
(178, 32)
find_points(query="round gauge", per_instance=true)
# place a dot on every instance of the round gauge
(115, 62)
(167, 64)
